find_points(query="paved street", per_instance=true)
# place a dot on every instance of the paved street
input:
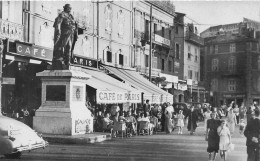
(159, 147)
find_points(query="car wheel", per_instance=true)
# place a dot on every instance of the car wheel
(16, 155)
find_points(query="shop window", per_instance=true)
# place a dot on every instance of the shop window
(214, 65)
(121, 59)
(162, 64)
(232, 48)
(231, 85)
(177, 51)
(109, 56)
(232, 64)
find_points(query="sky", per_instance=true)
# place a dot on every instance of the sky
(213, 13)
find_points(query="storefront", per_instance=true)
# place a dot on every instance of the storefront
(227, 98)
(22, 89)
(103, 91)
(150, 91)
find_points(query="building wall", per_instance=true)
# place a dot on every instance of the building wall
(115, 29)
(191, 63)
(160, 51)
(245, 72)
(179, 39)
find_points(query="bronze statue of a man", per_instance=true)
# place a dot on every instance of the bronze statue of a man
(65, 36)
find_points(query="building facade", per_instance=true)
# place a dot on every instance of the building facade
(162, 49)
(231, 54)
(110, 33)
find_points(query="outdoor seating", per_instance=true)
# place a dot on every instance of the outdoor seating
(119, 127)
(106, 127)
(154, 121)
(144, 128)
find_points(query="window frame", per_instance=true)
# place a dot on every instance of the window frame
(214, 65)
(232, 84)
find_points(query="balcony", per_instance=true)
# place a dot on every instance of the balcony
(193, 38)
(11, 30)
(145, 71)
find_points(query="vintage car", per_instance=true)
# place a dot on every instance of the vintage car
(16, 137)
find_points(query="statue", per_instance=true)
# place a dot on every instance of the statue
(65, 36)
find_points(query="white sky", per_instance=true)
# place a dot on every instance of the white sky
(211, 13)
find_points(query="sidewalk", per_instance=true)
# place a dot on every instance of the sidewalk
(77, 139)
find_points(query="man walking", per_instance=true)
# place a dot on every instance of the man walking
(252, 133)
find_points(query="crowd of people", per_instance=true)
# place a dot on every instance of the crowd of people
(163, 118)
(220, 125)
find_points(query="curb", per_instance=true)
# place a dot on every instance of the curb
(85, 139)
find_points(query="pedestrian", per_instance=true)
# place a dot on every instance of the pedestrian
(252, 134)
(168, 122)
(192, 120)
(231, 121)
(147, 106)
(236, 112)
(180, 121)
(212, 136)
(225, 139)
(206, 118)
(249, 114)
(242, 126)
(242, 111)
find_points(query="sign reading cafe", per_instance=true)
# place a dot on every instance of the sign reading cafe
(117, 97)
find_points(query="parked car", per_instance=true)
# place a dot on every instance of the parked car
(16, 137)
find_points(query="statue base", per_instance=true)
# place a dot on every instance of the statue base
(63, 109)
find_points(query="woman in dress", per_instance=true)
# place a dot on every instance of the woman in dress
(180, 121)
(231, 120)
(225, 139)
(212, 136)
(206, 118)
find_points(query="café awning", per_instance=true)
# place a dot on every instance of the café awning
(110, 90)
(150, 90)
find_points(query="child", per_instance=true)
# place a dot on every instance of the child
(242, 126)
(180, 122)
(225, 139)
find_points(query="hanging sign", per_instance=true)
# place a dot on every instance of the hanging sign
(117, 97)
(34, 51)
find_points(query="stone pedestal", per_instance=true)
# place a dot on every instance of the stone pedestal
(63, 109)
